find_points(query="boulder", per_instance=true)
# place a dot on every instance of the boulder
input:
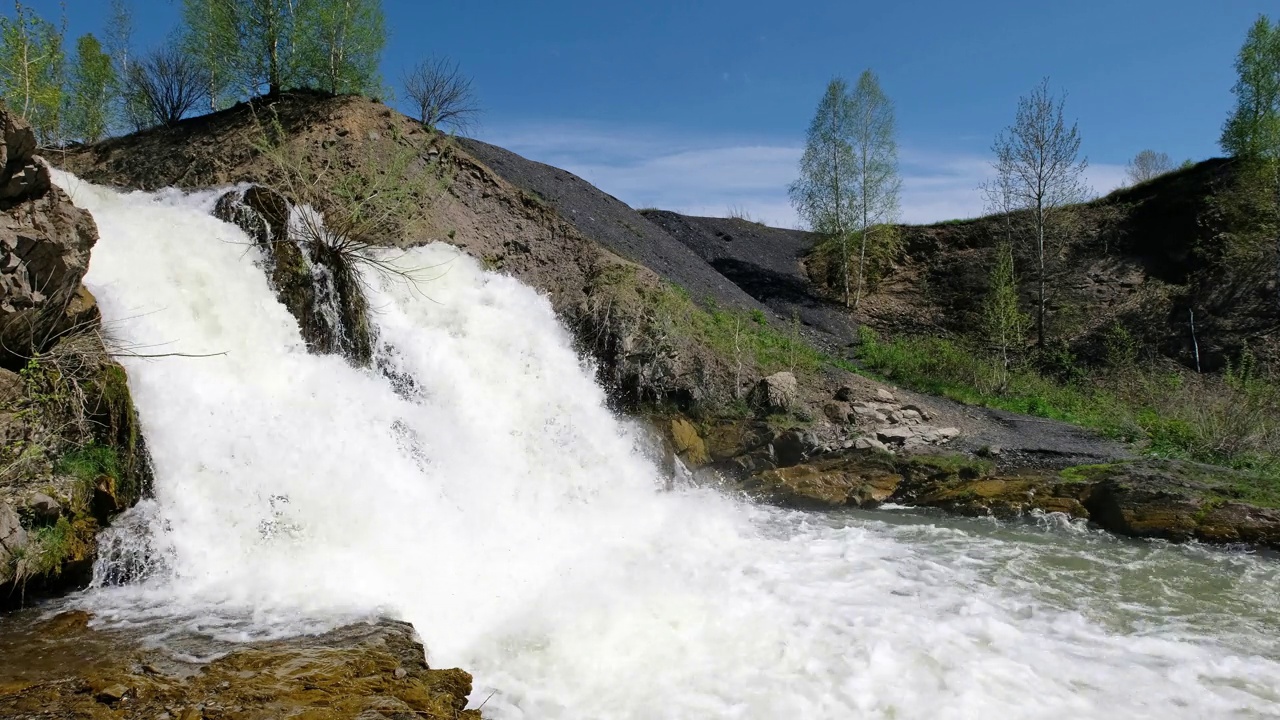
(776, 393)
(884, 395)
(43, 507)
(870, 443)
(845, 393)
(894, 435)
(44, 246)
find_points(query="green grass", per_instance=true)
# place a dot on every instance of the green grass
(1170, 413)
(746, 336)
(89, 463)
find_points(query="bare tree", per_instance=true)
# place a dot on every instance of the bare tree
(1148, 164)
(168, 83)
(441, 94)
(1039, 157)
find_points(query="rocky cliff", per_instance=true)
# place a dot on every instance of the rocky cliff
(72, 455)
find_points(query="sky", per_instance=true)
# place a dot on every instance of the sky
(702, 106)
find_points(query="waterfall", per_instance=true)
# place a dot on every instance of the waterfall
(473, 482)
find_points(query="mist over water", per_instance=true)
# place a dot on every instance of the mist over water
(489, 497)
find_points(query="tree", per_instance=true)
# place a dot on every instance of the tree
(1148, 164)
(130, 111)
(344, 44)
(1252, 132)
(92, 80)
(1004, 323)
(441, 94)
(31, 70)
(1039, 157)
(169, 83)
(876, 184)
(210, 35)
(1253, 129)
(271, 42)
(823, 194)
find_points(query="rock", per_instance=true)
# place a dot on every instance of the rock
(949, 433)
(12, 387)
(12, 540)
(112, 694)
(688, 444)
(44, 246)
(776, 393)
(837, 412)
(329, 306)
(909, 415)
(870, 443)
(990, 451)
(924, 414)
(894, 435)
(884, 395)
(864, 482)
(44, 507)
(845, 393)
(790, 447)
(894, 416)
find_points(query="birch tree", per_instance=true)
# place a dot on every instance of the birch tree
(875, 188)
(344, 44)
(211, 38)
(823, 194)
(31, 70)
(1039, 157)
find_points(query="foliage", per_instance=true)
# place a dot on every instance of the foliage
(31, 71)
(822, 193)
(1004, 324)
(210, 37)
(1148, 165)
(1253, 129)
(93, 84)
(344, 42)
(875, 177)
(441, 94)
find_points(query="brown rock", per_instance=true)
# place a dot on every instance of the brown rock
(776, 393)
(688, 444)
(837, 412)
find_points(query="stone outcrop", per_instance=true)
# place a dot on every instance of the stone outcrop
(44, 246)
(315, 281)
(71, 456)
(1167, 499)
(374, 670)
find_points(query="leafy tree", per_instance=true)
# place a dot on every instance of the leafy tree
(1004, 323)
(441, 94)
(876, 184)
(823, 194)
(31, 70)
(1148, 164)
(130, 110)
(1252, 132)
(89, 96)
(344, 43)
(211, 37)
(1253, 129)
(269, 38)
(1039, 158)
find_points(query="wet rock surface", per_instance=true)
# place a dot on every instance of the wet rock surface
(62, 668)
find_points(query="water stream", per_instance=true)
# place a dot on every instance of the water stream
(496, 504)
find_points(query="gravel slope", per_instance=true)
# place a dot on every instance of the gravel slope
(614, 224)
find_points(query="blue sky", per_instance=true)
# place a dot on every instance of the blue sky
(699, 106)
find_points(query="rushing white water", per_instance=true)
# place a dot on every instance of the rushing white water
(497, 505)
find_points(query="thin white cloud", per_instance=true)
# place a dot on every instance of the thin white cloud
(711, 176)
